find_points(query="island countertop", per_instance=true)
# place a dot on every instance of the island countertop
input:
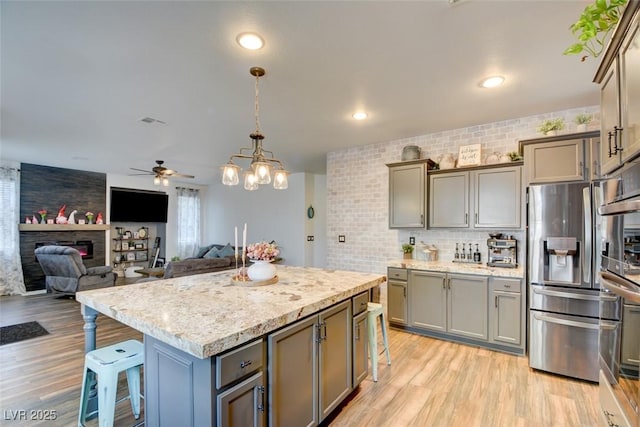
(206, 314)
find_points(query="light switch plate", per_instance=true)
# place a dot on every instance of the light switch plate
(341, 238)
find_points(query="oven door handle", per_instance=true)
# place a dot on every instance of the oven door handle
(620, 208)
(565, 322)
(620, 286)
(570, 295)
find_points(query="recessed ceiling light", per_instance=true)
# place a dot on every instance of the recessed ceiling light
(360, 115)
(250, 41)
(492, 81)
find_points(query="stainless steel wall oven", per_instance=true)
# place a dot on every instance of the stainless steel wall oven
(619, 357)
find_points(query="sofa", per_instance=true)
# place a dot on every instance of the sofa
(208, 259)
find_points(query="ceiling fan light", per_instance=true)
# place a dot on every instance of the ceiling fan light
(165, 181)
(280, 180)
(156, 180)
(262, 172)
(230, 174)
(250, 181)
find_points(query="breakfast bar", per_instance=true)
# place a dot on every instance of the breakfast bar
(208, 341)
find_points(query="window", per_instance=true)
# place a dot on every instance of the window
(188, 221)
(11, 279)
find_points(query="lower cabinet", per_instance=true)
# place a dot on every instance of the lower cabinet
(451, 303)
(397, 306)
(360, 346)
(243, 405)
(310, 363)
(506, 311)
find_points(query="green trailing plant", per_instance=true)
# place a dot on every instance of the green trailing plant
(551, 124)
(407, 248)
(583, 119)
(593, 27)
(515, 156)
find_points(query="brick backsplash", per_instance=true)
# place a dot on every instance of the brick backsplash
(357, 191)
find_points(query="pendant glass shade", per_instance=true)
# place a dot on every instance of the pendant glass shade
(250, 181)
(230, 174)
(165, 182)
(156, 180)
(262, 171)
(280, 181)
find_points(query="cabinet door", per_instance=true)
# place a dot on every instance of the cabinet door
(506, 317)
(609, 119)
(360, 344)
(428, 300)
(556, 161)
(497, 198)
(467, 306)
(243, 404)
(630, 92)
(292, 368)
(630, 336)
(406, 196)
(397, 301)
(449, 200)
(335, 357)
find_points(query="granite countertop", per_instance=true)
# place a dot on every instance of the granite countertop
(206, 314)
(458, 267)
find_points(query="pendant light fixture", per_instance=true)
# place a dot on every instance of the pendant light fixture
(262, 161)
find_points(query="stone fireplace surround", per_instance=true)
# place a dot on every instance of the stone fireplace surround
(44, 187)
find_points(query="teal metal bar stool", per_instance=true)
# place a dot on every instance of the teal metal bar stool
(374, 310)
(107, 363)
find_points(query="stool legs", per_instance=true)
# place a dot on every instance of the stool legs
(107, 388)
(384, 338)
(373, 347)
(84, 397)
(133, 381)
(375, 311)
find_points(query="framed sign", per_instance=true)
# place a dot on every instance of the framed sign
(469, 155)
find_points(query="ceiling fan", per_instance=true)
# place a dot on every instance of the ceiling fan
(161, 173)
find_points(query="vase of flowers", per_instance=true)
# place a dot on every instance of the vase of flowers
(262, 254)
(43, 216)
(89, 216)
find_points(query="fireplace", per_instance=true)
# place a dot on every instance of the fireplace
(85, 247)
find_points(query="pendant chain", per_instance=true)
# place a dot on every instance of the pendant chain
(257, 108)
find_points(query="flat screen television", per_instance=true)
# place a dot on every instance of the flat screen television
(129, 205)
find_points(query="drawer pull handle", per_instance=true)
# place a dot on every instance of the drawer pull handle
(245, 363)
(362, 303)
(507, 286)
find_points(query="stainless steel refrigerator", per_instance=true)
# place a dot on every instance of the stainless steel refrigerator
(563, 248)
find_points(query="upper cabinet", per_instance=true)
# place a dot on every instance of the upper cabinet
(407, 194)
(483, 198)
(620, 93)
(561, 158)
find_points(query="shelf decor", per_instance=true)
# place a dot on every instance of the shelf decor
(262, 254)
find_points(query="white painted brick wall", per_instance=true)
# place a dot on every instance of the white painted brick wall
(358, 187)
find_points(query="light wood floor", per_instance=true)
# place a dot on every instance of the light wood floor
(430, 382)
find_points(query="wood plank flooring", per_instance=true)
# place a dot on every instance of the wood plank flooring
(429, 383)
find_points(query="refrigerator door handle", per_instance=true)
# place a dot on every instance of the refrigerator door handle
(620, 286)
(588, 226)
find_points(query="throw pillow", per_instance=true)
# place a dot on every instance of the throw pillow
(203, 250)
(227, 251)
(213, 253)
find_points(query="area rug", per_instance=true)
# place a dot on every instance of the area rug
(21, 332)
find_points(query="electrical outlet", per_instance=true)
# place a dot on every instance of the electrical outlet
(309, 238)
(341, 238)
(412, 240)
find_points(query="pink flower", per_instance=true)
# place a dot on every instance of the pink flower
(262, 251)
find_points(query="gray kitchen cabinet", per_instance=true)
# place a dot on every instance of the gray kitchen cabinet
(428, 300)
(486, 198)
(407, 195)
(313, 354)
(451, 303)
(563, 158)
(360, 345)
(620, 99)
(506, 311)
(630, 336)
(397, 296)
(243, 405)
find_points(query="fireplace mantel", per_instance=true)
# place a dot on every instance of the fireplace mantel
(63, 227)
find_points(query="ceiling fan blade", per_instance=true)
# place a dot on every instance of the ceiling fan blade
(168, 172)
(182, 175)
(142, 170)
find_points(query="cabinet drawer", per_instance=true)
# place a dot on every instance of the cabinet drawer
(238, 363)
(506, 285)
(397, 273)
(359, 303)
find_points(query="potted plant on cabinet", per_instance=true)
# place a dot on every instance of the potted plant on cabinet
(551, 127)
(582, 120)
(407, 251)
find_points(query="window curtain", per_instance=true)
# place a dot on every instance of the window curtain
(188, 222)
(11, 279)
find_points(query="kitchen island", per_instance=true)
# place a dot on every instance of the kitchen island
(207, 340)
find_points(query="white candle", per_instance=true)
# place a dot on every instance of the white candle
(244, 240)
(236, 241)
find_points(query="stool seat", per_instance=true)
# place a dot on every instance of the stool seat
(107, 363)
(375, 310)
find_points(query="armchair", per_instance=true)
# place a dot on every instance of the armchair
(65, 272)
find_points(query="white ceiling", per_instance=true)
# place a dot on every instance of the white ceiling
(77, 76)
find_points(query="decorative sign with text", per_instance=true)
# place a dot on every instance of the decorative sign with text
(469, 155)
